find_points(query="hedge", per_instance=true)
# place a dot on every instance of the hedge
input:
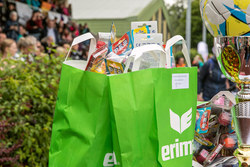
(28, 93)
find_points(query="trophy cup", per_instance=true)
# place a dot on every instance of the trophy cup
(229, 22)
(233, 55)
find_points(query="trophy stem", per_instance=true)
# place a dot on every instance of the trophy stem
(244, 94)
(242, 122)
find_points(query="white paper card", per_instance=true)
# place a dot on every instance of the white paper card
(146, 39)
(180, 81)
(152, 25)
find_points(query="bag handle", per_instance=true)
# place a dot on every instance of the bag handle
(82, 38)
(137, 52)
(173, 41)
(228, 94)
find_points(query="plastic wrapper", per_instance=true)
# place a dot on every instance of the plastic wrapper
(225, 118)
(210, 158)
(229, 141)
(229, 161)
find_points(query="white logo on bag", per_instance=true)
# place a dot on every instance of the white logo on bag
(180, 125)
(179, 148)
(110, 160)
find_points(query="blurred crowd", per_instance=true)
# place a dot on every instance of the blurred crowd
(40, 35)
(211, 80)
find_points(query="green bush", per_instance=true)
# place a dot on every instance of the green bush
(28, 94)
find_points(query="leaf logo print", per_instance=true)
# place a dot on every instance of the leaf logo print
(175, 121)
(180, 124)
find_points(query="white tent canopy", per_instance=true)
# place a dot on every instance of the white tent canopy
(107, 9)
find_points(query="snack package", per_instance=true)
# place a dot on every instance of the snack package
(201, 143)
(97, 61)
(202, 122)
(152, 25)
(123, 46)
(213, 154)
(114, 67)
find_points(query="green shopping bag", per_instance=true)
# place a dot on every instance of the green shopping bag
(81, 133)
(153, 114)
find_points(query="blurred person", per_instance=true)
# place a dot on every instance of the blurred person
(67, 35)
(210, 56)
(12, 26)
(60, 27)
(10, 7)
(8, 49)
(211, 80)
(34, 25)
(63, 9)
(2, 37)
(85, 53)
(80, 28)
(22, 32)
(1, 11)
(75, 29)
(61, 51)
(197, 61)
(51, 31)
(75, 53)
(70, 9)
(40, 51)
(180, 62)
(28, 46)
(66, 46)
(35, 3)
(48, 44)
(85, 28)
(54, 5)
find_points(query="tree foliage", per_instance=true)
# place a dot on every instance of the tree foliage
(177, 15)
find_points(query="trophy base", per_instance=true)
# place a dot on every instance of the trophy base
(243, 155)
